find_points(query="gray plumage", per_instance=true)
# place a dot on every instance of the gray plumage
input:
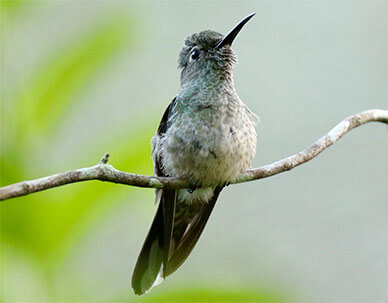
(207, 135)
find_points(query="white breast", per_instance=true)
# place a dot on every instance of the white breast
(209, 152)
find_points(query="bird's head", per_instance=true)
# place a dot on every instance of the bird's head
(208, 54)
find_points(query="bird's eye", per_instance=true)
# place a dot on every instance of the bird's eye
(194, 54)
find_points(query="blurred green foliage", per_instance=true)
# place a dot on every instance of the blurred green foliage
(35, 115)
(10, 6)
(35, 225)
(209, 295)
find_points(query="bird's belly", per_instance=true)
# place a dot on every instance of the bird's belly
(208, 155)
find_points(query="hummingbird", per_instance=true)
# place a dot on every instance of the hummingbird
(207, 135)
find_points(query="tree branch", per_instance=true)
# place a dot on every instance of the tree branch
(105, 172)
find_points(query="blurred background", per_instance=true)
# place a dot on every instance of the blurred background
(81, 78)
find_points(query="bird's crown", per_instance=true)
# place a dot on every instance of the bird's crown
(208, 53)
(203, 41)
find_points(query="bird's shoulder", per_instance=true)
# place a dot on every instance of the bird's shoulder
(163, 125)
(162, 128)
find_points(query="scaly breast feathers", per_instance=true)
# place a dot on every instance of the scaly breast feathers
(206, 155)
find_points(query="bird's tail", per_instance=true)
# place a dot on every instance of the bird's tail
(174, 232)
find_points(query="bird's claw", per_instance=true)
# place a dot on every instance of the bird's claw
(192, 189)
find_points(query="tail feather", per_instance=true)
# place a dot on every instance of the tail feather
(174, 232)
(188, 229)
(156, 246)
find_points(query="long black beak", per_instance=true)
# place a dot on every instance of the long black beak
(229, 37)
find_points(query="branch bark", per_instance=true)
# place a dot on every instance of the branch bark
(105, 172)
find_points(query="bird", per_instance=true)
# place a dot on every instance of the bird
(207, 136)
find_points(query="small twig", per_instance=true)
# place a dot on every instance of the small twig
(105, 172)
(104, 159)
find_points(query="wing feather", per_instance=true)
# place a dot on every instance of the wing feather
(175, 229)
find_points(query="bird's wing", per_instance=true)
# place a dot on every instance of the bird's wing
(155, 250)
(175, 229)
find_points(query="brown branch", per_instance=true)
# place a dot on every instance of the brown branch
(105, 172)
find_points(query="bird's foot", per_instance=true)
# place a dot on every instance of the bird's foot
(192, 189)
